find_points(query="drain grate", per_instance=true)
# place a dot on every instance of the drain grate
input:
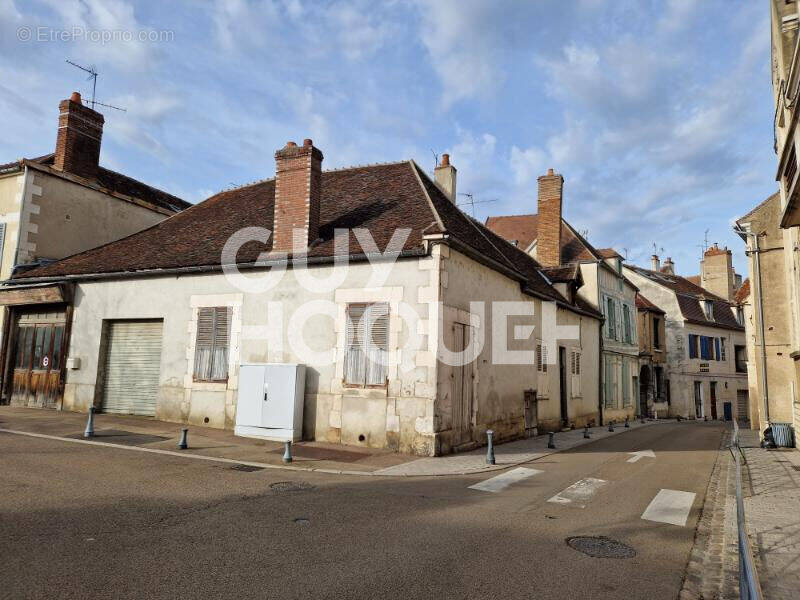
(246, 468)
(600, 547)
(290, 486)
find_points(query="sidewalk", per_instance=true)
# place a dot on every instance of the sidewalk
(771, 491)
(148, 435)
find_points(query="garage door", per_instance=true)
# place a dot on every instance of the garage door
(132, 366)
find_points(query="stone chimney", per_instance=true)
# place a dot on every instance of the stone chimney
(669, 266)
(298, 189)
(548, 243)
(716, 272)
(655, 263)
(445, 176)
(80, 131)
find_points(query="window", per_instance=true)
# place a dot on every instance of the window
(2, 241)
(367, 344)
(626, 319)
(541, 358)
(708, 309)
(740, 315)
(656, 332)
(575, 365)
(692, 346)
(612, 320)
(717, 349)
(722, 353)
(211, 344)
(740, 355)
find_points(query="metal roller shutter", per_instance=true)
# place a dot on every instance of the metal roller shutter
(132, 367)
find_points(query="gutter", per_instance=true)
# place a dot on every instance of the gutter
(315, 260)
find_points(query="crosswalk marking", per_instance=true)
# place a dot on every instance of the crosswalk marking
(502, 481)
(579, 493)
(670, 506)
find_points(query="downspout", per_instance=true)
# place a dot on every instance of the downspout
(760, 299)
(600, 375)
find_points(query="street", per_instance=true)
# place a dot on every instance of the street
(79, 520)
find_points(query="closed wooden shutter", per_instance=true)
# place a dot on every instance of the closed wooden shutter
(2, 241)
(211, 344)
(367, 344)
(132, 367)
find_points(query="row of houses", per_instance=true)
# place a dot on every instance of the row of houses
(420, 328)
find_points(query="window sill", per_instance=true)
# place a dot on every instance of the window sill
(210, 386)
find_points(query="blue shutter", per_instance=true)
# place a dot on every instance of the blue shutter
(692, 346)
(716, 349)
(705, 347)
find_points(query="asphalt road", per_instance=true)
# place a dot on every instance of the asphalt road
(81, 521)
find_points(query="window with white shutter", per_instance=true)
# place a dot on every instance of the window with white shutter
(211, 344)
(575, 369)
(367, 344)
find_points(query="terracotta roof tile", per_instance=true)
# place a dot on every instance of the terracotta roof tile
(742, 292)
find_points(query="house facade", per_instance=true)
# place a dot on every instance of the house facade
(653, 381)
(61, 204)
(598, 278)
(768, 281)
(705, 347)
(419, 328)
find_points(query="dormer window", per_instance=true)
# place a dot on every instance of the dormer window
(740, 315)
(708, 309)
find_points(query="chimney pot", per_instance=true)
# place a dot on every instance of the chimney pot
(445, 160)
(291, 144)
(550, 172)
(308, 143)
(76, 97)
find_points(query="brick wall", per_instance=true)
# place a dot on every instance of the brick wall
(298, 186)
(80, 131)
(548, 245)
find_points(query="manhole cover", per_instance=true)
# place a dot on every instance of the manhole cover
(600, 547)
(246, 468)
(290, 486)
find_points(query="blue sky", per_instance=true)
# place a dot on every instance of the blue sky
(657, 113)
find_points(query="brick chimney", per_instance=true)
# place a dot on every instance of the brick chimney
(548, 244)
(80, 131)
(716, 272)
(298, 188)
(669, 267)
(445, 176)
(655, 263)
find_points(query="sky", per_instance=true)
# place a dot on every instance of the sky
(657, 112)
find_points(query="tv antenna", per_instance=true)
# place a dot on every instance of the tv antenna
(626, 252)
(705, 242)
(93, 76)
(435, 159)
(584, 233)
(472, 202)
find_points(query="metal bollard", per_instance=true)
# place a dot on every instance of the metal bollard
(490, 447)
(626, 423)
(611, 425)
(184, 443)
(89, 431)
(551, 442)
(287, 451)
(586, 432)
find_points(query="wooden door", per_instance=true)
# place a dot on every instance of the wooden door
(37, 366)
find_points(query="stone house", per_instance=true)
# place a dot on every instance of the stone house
(705, 343)
(596, 275)
(785, 75)
(653, 383)
(774, 294)
(63, 203)
(370, 276)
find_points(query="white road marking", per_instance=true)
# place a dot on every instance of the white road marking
(502, 481)
(640, 454)
(670, 506)
(579, 493)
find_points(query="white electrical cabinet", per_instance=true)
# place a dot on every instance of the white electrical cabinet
(270, 404)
